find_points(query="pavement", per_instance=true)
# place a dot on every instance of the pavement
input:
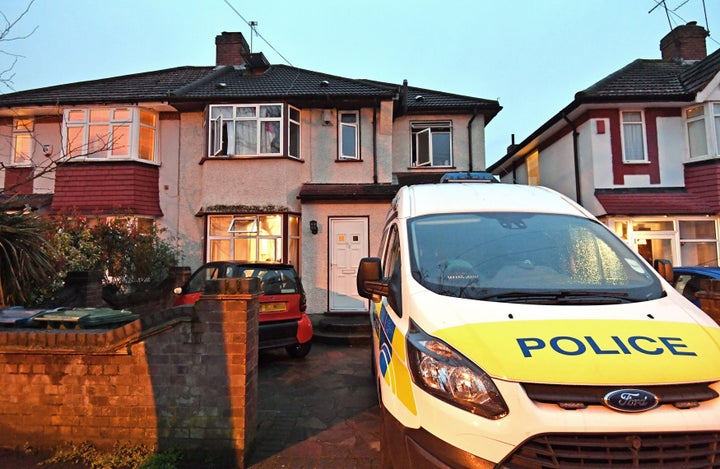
(317, 412)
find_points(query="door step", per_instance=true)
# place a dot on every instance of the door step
(341, 329)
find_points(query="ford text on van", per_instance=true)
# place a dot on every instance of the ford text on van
(514, 330)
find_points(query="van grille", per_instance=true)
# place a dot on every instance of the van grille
(621, 450)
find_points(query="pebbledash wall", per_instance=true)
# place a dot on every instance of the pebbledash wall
(181, 378)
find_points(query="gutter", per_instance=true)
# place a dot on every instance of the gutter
(374, 143)
(470, 151)
(576, 158)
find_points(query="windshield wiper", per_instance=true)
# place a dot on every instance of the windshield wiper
(560, 297)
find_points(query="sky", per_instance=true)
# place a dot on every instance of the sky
(530, 55)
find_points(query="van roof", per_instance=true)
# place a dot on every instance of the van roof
(423, 199)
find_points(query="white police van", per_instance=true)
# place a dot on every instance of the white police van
(512, 329)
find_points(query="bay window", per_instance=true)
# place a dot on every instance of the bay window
(110, 133)
(697, 135)
(254, 237)
(253, 130)
(702, 124)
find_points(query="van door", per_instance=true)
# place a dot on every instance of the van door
(348, 244)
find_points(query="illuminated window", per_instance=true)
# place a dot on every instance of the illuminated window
(248, 237)
(252, 130)
(110, 133)
(633, 137)
(22, 141)
(431, 144)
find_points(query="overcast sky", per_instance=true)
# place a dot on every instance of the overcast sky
(530, 55)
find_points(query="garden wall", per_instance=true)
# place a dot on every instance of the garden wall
(179, 378)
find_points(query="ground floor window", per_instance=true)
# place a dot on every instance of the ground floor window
(254, 237)
(685, 241)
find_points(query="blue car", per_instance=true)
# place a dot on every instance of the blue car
(687, 279)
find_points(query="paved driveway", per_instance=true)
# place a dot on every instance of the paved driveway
(317, 412)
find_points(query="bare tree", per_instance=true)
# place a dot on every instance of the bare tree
(7, 35)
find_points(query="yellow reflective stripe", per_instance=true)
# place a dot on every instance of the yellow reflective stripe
(591, 351)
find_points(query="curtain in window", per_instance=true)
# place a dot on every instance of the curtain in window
(245, 137)
(633, 142)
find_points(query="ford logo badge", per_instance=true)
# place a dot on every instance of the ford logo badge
(631, 400)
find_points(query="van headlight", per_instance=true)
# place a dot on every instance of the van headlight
(446, 374)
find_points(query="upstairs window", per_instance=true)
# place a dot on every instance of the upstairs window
(22, 141)
(697, 135)
(633, 137)
(349, 135)
(431, 144)
(110, 133)
(253, 130)
(702, 124)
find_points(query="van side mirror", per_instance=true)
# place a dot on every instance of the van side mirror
(665, 269)
(369, 279)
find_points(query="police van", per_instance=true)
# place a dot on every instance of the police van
(512, 329)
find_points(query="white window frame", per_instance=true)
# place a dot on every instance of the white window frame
(625, 138)
(715, 112)
(81, 145)
(355, 127)
(422, 135)
(221, 129)
(23, 132)
(248, 227)
(695, 116)
(294, 132)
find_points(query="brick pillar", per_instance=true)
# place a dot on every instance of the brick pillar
(229, 309)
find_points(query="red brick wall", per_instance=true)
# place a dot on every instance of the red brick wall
(180, 378)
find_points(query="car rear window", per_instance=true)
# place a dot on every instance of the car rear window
(272, 281)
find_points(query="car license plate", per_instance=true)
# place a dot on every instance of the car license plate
(272, 307)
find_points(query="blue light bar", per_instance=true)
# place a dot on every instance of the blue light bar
(466, 176)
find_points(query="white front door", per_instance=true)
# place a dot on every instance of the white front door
(348, 244)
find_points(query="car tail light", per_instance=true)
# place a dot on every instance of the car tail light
(303, 302)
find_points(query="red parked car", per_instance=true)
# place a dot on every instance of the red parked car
(282, 319)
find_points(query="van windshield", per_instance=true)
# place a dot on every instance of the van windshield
(526, 257)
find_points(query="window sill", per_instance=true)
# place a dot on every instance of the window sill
(249, 157)
(122, 159)
(636, 162)
(701, 158)
(432, 168)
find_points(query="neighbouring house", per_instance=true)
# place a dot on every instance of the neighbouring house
(243, 160)
(640, 149)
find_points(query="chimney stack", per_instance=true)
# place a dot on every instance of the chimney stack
(686, 42)
(229, 49)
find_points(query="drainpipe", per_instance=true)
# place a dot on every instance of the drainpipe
(374, 143)
(469, 125)
(576, 158)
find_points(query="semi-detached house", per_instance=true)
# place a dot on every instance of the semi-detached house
(640, 149)
(242, 160)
